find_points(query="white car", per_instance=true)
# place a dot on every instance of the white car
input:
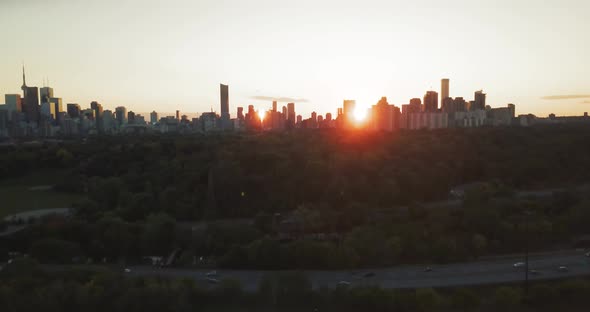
(588, 254)
(212, 273)
(344, 283)
(518, 265)
(563, 268)
(212, 280)
(127, 270)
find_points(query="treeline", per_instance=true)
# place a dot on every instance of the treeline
(357, 198)
(24, 286)
(482, 225)
(240, 175)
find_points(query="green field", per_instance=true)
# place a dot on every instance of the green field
(16, 196)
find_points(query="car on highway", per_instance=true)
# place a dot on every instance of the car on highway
(210, 274)
(212, 280)
(427, 269)
(369, 274)
(563, 268)
(518, 265)
(127, 270)
(343, 283)
(534, 272)
(587, 254)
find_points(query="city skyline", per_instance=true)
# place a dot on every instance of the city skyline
(168, 56)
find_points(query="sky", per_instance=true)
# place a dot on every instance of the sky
(167, 55)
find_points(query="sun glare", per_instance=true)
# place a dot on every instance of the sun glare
(360, 114)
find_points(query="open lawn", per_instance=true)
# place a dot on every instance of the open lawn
(24, 194)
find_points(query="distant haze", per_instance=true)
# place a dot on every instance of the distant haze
(167, 55)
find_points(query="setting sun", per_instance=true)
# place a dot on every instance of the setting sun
(360, 114)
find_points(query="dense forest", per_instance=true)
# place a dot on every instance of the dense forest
(25, 286)
(356, 198)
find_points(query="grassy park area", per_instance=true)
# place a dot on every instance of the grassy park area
(32, 192)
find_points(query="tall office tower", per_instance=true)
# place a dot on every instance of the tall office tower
(479, 102)
(224, 96)
(108, 121)
(130, 117)
(328, 117)
(512, 108)
(382, 115)
(45, 94)
(431, 101)
(444, 89)
(121, 115)
(56, 107)
(299, 119)
(45, 110)
(240, 113)
(153, 117)
(88, 114)
(14, 104)
(314, 116)
(274, 106)
(415, 105)
(291, 113)
(177, 115)
(447, 105)
(348, 107)
(284, 112)
(97, 108)
(73, 110)
(459, 104)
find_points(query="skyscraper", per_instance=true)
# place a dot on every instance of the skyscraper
(45, 94)
(13, 103)
(131, 117)
(153, 117)
(178, 115)
(224, 96)
(56, 107)
(431, 101)
(240, 113)
(348, 107)
(291, 113)
(274, 106)
(444, 89)
(121, 115)
(97, 108)
(479, 102)
(382, 115)
(73, 110)
(415, 105)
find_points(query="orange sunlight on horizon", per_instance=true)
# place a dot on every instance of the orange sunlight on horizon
(360, 114)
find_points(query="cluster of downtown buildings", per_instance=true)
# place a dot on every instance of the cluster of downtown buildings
(39, 114)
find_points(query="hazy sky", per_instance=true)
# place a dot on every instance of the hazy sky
(172, 54)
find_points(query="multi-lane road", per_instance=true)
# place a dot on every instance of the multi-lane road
(491, 271)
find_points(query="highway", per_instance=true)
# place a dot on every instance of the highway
(492, 271)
